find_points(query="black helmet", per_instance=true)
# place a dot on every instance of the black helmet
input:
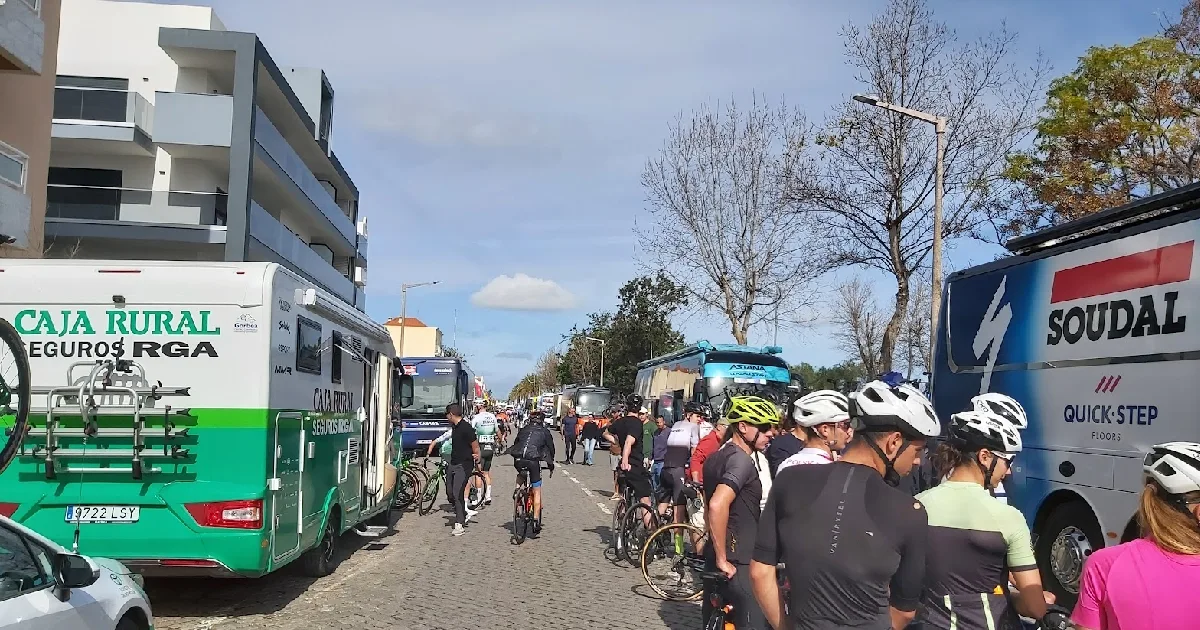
(536, 416)
(697, 408)
(616, 410)
(634, 402)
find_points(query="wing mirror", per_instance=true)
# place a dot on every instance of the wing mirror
(73, 571)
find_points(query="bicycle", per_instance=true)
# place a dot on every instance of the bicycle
(523, 520)
(721, 608)
(476, 489)
(14, 389)
(413, 479)
(434, 483)
(675, 553)
(617, 539)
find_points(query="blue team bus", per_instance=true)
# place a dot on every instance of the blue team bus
(1086, 325)
(701, 372)
(427, 385)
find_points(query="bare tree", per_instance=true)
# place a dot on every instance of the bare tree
(859, 324)
(718, 197)
(546, 369)
(913, 341)
(877, 184)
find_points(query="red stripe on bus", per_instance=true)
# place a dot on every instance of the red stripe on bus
(1164, 265)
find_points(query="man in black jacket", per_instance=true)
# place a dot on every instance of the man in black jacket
(533, 445)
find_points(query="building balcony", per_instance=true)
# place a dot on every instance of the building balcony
(289, 166)
(133, 214)
(102, 121)
(193, 126)
(22, 36)
(271, 241)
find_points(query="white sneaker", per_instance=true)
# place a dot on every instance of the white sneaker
(458, 530)
(471, 513)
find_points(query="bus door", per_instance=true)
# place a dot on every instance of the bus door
(285, 485)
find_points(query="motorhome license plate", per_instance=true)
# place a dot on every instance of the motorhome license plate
(103, 513)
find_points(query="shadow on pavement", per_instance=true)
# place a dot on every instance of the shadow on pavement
(237, 597)
(680, 615)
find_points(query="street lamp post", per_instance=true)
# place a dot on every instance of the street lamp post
(939, 125)
(601, 357)
(404, 308)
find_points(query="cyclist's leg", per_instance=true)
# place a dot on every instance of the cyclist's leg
(487, 476)
(740, 593)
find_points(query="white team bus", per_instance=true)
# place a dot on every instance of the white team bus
(1087, 326)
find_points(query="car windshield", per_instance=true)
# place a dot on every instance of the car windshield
(774, 390)
(433, 392)
(592, 403)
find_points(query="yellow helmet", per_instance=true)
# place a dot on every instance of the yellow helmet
(751, 409)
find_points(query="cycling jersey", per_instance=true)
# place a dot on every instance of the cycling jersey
(852, 545)
(681, 440)
(781, 448)
(485, 430)
(446, 445)
(1138, 585)
(806, 456)
(733, 467)
(974, 541)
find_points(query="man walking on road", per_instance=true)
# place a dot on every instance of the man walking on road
(464, 457)
(570, 426)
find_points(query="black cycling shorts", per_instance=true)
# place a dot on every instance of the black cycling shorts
(485, 459)
(531, 466)
(671, 479)
(639, 481)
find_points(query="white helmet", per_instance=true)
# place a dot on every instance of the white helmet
(1175, 466)
(1002, 405)
(983, 429)
(820, 407)
(879, 406)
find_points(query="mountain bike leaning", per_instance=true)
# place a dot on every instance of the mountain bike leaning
(15, 393)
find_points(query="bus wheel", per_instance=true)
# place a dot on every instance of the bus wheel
(1069, 535)
(319, 561)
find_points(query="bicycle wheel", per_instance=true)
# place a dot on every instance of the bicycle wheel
(409, 490)
(672, 562)
(429, 497)
(477, 490)
(14, 393)
(640, 522)
(520, 517)
(616, 540)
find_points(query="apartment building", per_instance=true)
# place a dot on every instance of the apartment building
(420, 340)
(28, 40)
(175, 138)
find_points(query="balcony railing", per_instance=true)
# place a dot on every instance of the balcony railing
(103, 105)
(93, 203)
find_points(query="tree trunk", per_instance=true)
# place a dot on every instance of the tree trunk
(892, 332)
(739, 334)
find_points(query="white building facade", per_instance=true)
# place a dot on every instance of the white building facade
(175, 138)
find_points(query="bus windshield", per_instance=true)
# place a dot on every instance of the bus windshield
(591, 403)
(434, 391)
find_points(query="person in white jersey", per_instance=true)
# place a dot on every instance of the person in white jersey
(824, 416)
(485, 429)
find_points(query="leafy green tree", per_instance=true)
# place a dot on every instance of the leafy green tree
(844, 376)
(1124, 124)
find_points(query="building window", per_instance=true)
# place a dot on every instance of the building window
(84, 193)
(91, 98)
(335, 367)
(13, 166)
(308, 346)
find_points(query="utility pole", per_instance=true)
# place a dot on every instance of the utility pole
(404, 308)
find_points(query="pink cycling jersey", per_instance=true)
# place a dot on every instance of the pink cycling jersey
(1138, 586)
(807, 456)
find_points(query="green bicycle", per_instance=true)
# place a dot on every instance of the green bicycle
(15, 392)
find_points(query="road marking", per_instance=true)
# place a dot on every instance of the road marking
(604, 508)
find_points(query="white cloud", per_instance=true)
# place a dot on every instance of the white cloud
(523, 293)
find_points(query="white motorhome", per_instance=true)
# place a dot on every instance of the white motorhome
(249, 430)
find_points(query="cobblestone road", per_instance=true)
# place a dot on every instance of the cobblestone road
(422, 578)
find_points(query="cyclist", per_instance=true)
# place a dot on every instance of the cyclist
(1150, 582)
(732, 497)
(1007, 408)
(823, 418)
(485, 428)
(460, 448)
(975, 543)
(614, 413)
(854, 544)
(533, 445)
(681, 440)
(626, 434)
(789, 442)
(502, 426)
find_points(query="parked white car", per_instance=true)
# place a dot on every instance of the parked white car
(46, 587)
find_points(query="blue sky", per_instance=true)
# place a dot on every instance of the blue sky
(495, 139)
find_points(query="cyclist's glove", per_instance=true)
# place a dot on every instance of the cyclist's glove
(1055, 620)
